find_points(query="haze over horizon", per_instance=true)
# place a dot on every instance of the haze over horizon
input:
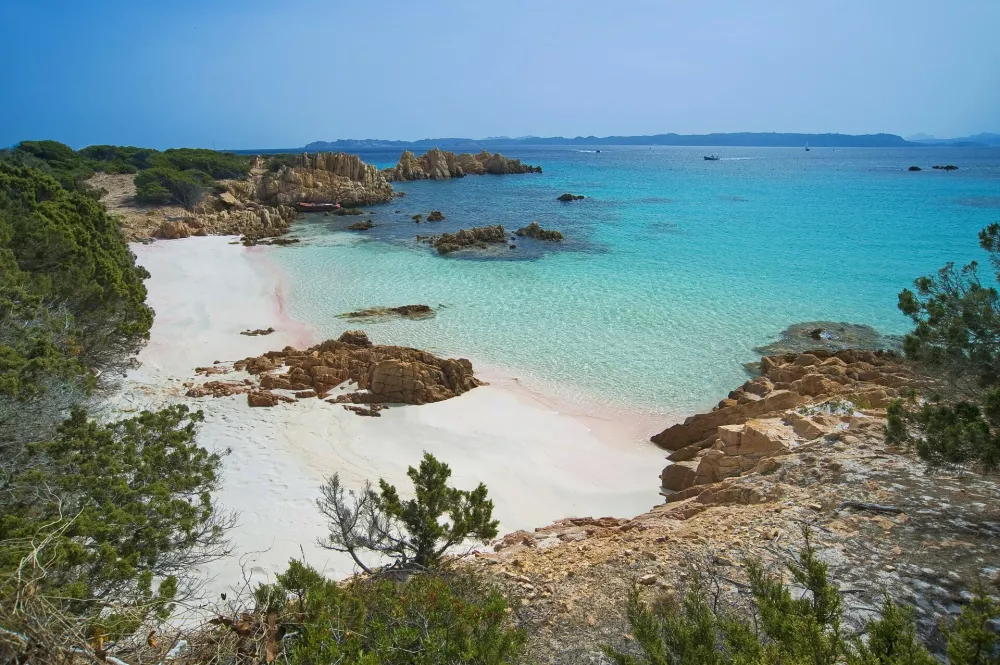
(258, 75)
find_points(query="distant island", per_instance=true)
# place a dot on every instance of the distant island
(983, 139)
(754, 139)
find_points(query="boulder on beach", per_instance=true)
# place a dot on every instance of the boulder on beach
(570, 197)
(381, 373)
(534, 230)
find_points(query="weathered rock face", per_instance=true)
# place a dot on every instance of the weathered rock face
(799, 397)
(534, 230)
(869, 378)
(382, 373)
(436, 164)
(479, 237)
(325, 178)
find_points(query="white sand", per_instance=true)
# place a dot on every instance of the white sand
(538, 464)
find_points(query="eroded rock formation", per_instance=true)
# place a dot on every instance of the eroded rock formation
(436, 164)
(382, 373)
(332, 177)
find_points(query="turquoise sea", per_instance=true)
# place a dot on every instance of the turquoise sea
(674, 267)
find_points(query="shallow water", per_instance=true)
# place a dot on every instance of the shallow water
(674, 267)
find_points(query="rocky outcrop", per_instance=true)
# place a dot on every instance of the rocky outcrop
(914, 168)
(381, 373)
(565, 198)
(798, 398)
(435, 216)
(436, 164)
(867, 378)
(534, 230)
(480, 237)
(379, 313)
(325, 178)
(945, 167)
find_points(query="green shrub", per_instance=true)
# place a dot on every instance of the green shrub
(428, 618)
(411, 533)
(162, 184)
(800, 629)
(98, 522)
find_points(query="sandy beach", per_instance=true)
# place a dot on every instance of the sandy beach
(539, 464)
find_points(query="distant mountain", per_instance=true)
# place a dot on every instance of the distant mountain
(708, 140)
(982, 139)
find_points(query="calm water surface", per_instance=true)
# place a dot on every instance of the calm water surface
(674, 267)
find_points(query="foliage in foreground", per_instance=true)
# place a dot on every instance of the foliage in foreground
(411, 533)
(98, 523)
(956, 333)
(799, 629)
(439, 617)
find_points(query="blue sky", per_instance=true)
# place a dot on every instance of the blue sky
(281, 73)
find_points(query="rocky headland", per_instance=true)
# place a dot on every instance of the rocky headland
(258, 206)
(800, 446)
(379, 374)
(438, 164)
(331, 177)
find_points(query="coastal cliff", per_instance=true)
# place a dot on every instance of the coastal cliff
(802, 445)
(333, 177)
(436, 164)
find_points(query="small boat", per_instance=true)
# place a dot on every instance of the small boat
(807, 146)
(316, 207)
(712, 158)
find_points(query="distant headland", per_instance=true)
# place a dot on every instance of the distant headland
(749, 139)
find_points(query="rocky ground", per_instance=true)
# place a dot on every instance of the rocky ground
(880, 520)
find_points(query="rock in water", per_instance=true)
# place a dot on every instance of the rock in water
(570, 197)
(534, 230)
(479, 237)
(435, 216)
(436, 164)
(833, 335)
(377, 313)
(362, 226)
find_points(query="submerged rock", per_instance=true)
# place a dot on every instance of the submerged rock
(914, 168)
(438, 164)
(830, 335)
(570, 197)
(946, 167)
(534, 230)
(361, 226)
(405, 311)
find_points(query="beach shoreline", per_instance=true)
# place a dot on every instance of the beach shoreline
(540, 460)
